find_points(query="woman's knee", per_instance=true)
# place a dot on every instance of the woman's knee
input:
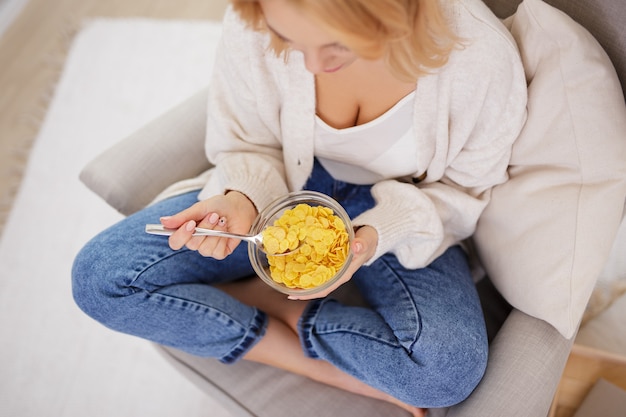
(454, 373)
(95, 286)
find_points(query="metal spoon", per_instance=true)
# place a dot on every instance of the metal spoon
(159, 229)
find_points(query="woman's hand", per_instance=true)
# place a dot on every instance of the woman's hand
(363, 248)
(232, 212)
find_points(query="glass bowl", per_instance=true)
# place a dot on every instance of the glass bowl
(275, 210)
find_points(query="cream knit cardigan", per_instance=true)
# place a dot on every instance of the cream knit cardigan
(261, 119)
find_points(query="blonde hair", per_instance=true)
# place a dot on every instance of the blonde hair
(412, 36)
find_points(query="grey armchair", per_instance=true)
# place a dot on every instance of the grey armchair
(527, 355)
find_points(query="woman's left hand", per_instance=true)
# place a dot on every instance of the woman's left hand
(363, 248)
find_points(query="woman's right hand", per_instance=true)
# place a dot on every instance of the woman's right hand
(231, 212)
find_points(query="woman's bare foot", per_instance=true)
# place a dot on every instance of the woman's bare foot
(280, 347)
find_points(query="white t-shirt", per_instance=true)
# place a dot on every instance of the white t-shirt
(383, 145)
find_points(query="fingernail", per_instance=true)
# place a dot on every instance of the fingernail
(213, 218)
(165, 218)
(358, 247)
(190, 226)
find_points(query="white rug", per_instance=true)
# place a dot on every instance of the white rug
(54, 360)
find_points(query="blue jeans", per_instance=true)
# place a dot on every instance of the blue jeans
(422, 339)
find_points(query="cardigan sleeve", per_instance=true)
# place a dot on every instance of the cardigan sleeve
(243, 135)
(479, 108)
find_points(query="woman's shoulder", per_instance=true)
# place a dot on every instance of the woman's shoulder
(238, 35)
(478, 27)
(487, 50)
(245, 44)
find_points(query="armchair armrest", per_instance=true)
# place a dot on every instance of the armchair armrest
(128, 178)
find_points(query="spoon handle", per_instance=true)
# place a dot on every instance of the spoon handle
(159, 229)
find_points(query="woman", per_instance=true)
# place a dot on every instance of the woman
(404, 111)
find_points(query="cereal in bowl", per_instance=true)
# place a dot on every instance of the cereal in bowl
(322, 241)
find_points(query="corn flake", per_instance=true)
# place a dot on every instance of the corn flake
(323, 241)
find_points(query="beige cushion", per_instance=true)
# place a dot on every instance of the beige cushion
(547, 232)
(607, 331)
(611, 283)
